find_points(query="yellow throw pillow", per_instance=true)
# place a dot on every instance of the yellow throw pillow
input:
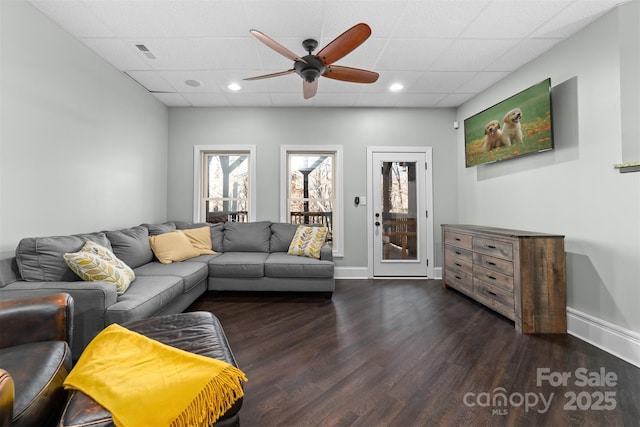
(96, 263)
(200, 239)
(171, 247)
(308, 241)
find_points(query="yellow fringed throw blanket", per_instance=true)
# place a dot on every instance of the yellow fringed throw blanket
(143, 382)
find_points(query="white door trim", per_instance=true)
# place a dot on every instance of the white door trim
(428, 194)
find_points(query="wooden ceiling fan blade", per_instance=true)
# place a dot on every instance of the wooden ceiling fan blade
(309, 90)
(267, 76)
(276, 46)
(349, 74)
(344, 43)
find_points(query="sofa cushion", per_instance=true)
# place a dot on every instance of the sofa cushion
(131, 245)
(172, 247)
(145, 297)
(97, 263)
(247, 236)
(281, 236)
(308, 241)
(200, 239)
(40, 258)
(280, 264)
(217, 232)
(192, 273)
(155, 229)
(217, 237)
(238, 264)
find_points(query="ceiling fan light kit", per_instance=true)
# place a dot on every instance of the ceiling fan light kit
(311, 67)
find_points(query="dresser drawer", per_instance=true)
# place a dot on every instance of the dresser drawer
(458, 253)
(460, 279)
(492, 263)
(498, 299)
(493, 277)
(459, 264)
(458, 239)
(494, 248)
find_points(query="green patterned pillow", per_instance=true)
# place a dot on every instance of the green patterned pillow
(308, 241)
(97, 263)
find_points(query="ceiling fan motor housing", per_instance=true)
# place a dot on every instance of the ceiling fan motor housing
(311, 70)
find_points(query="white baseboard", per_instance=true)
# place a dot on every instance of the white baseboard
(363, 273)
(620, 342)
(351, 273)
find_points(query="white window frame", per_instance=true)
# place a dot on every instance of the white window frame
(198, 151)
(338, 214)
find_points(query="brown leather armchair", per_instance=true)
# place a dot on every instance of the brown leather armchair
(35, 358)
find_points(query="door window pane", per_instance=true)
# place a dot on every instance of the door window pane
(399, 209)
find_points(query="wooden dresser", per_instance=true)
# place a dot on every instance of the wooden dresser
(518, 274)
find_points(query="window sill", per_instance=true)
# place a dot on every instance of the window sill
(628, 167)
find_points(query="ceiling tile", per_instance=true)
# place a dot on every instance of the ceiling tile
(410, 55)
(152, 81)
(440, 81)
(469, 55)
(172, 99)
(481, 81)
(572, 18)
(74, 17)
(381, 16)
(437, 19)
(122, 55)
(207, 99)
(413, 100)
(170, 18)
(506, 18)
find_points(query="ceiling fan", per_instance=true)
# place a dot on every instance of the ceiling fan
(311, 67)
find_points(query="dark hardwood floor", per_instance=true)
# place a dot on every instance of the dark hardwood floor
(410, 353)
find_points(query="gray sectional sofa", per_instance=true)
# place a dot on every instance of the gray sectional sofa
(249, 257)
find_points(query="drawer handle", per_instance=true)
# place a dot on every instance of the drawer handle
(491, 293)
(458, 239)
(490, 246)
(491, 277)
(458, 264)
(458, 253)
(491, 263)
(458, 277)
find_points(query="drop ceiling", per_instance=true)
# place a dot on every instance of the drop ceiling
(441, 52)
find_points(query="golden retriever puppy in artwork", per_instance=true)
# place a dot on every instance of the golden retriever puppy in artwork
(511, 131)
(492, 135)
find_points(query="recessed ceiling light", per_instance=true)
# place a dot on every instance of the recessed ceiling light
(193, 83)
(396, 87)
(234, 87)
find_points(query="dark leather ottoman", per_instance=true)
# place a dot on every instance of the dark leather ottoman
(197, 332)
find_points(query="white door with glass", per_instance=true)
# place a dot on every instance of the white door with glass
(400, 230)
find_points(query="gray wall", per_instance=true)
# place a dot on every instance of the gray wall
(83, 148)
(573, 190)
(354, 129)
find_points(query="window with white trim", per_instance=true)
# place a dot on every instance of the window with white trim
(225, 182)
(312, 188)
